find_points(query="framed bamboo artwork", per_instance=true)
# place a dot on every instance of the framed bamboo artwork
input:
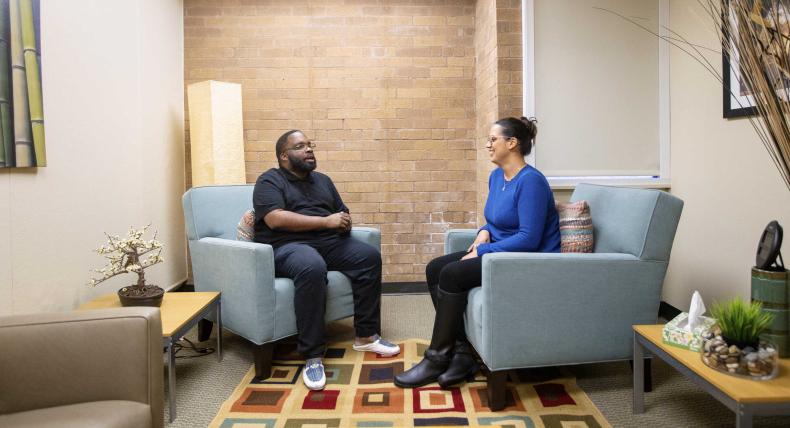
(21, 103)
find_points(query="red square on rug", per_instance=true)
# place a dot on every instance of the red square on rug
(553, 395)
(436, 400)
(321, 400)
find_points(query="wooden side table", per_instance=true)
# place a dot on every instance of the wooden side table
(745, 397)
(179, 312)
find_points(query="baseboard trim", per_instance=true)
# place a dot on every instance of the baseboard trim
(392, 288)
(179, 286)
(418, 287)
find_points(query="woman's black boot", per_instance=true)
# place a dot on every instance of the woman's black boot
(449, 313)
(463, 366)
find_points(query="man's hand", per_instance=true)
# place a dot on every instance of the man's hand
(340, 221)
(482, 238)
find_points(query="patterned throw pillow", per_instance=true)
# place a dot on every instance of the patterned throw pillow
(576, 228)
(245, 230)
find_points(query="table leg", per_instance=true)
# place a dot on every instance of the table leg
(171, 379)
(219, 330)
(639, 376)
(743, 417)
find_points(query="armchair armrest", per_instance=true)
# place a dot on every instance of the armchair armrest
(458, 240)
(368, 235)
(244, 273)
(83, 356)
(531, 301)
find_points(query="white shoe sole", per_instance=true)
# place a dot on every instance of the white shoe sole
(364, 349)
(315, 387)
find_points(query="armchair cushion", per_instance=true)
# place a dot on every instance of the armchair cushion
(110, 414)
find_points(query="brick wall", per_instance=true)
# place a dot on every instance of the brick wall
(486, 93)
(498, 75)
(385, 88)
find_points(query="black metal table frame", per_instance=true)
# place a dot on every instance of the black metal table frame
(744, 412)
(169, 342)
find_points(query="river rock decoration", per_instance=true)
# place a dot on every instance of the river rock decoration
(758, 364)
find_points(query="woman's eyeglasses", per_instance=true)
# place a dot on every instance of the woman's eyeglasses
(492, 139)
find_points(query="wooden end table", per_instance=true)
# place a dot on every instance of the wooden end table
(745, 397)
(179, 312)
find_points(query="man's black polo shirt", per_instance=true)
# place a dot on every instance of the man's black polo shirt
(277, 188)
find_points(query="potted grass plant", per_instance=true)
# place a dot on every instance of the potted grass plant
(125, 255)
(734, 346)
(741, 323)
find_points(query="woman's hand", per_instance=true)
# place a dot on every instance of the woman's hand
(472, 254)
(483, 237)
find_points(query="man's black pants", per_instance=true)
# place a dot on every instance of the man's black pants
(307, 262)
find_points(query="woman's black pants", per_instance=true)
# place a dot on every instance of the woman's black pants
(453, 275)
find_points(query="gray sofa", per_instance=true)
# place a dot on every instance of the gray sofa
(537, 309)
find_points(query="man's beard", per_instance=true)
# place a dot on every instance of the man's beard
(298, 164)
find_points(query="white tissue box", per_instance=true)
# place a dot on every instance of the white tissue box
(675, 333)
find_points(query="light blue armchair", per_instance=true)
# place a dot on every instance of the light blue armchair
(255, 304)
(549, 309)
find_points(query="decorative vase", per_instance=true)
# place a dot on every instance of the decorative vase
(772, 289)
(149, 295)
(760, 362)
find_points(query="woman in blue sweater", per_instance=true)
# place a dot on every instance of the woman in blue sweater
(520, 216)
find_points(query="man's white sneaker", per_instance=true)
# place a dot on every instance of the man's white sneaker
(313, 375)
(379, 346)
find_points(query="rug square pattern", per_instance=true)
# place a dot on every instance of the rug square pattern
(507, 421)
(338, 374)
(436, 400)
(257, 400)
(553, 395)
(360, 393)
(248, 423)
(378, 400)
(513, 401)
(312, 423)
(321, 400)
(379, 373)
(569, 421)
(282, 374)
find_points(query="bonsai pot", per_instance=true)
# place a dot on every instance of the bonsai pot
(149, 295)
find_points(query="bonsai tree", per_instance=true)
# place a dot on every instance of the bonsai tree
(126, 256)
(741, 323)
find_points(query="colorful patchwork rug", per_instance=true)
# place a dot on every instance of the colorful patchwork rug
(359, 393)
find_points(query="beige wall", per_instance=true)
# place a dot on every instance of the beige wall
(720, 169)
(113, 105)
(386, 89)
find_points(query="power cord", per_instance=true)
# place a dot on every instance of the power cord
(195, 351)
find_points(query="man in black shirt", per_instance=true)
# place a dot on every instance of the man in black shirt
(300, 214)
